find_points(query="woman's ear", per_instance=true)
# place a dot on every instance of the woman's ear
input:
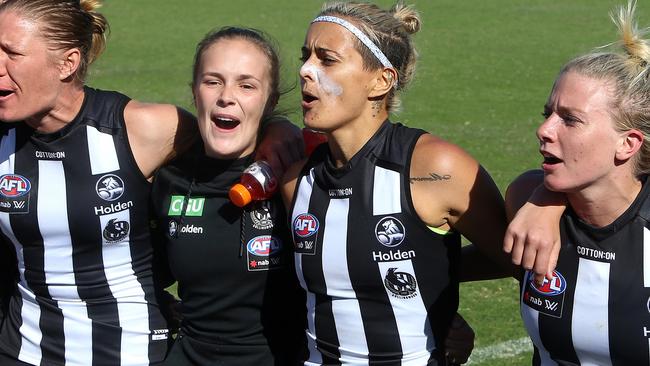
(69, 64)
(383, 82)
(631, 142)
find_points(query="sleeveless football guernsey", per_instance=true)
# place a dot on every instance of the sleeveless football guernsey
(596, 310)
(381, 286)
(74, 204)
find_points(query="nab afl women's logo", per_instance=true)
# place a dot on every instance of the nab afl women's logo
(390, 231)
(109, 187)
(553, 287)
(14, 185)
(305, 225)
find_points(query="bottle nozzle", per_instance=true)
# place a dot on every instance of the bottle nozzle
(239, 195)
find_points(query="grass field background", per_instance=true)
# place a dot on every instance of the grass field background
(485, 70)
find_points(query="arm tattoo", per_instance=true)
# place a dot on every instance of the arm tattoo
(432, 177)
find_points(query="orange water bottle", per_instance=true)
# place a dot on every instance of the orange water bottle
(258, 182)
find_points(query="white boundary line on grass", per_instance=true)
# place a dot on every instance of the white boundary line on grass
(505, 349)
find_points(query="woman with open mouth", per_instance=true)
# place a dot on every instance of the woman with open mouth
(75, 170)
(377, 213)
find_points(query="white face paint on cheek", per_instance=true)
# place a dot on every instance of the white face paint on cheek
(328, 85)
(324, 83)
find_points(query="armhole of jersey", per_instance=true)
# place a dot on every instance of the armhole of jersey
(440, 231)
(407, 189)
(124, 100)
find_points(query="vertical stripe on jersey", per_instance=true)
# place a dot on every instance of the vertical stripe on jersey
(410, 314)
(301, 205)
(386, 192)
(57, 247)
(591, 302)
(646, 257)
(101, 150)
(530, 317)
(124, 286)
(345, 306)
(30, 326)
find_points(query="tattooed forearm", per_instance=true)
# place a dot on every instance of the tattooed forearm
(433, 177)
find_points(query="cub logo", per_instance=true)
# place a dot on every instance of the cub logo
(14, 185)
(305, 225)
(390, 231)
(109, 187)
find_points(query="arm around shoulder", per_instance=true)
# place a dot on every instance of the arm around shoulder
(533, 236)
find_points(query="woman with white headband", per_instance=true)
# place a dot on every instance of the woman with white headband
(377, 213)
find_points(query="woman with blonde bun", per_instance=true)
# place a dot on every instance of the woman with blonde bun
(378, 211)
(594, 308)
(75, 170)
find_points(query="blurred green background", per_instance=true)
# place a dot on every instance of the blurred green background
(485, 70)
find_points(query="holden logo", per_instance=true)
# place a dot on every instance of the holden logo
(390, 231)
(109, 187)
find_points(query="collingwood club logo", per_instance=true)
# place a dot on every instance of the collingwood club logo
(390, 231)
(262, 215)
(109, 187)
(115, 231)
(400, 284)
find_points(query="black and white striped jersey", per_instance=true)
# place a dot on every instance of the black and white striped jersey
(381, 286)
(596, 310)
(74, 204)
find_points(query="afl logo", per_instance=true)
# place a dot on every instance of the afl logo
(109, 187)
(390, 231)
(264, 245)
(14, 185)
(556, 286)
(305, 225)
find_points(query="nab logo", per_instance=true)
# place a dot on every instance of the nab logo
(14, 185)
(264, 245)
(305, 225)
(556, 286)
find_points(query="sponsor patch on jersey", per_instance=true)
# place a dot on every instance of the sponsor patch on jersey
(115, 231)
(264, 252)
(262, 215)
(390, 231)
(547, 298)
(109, 187)
(305, 233)
(14, 193)
(159, 334)
(194, 206)
(172, 228)
(402, 285)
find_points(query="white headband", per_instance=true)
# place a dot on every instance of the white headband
(361, 36)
